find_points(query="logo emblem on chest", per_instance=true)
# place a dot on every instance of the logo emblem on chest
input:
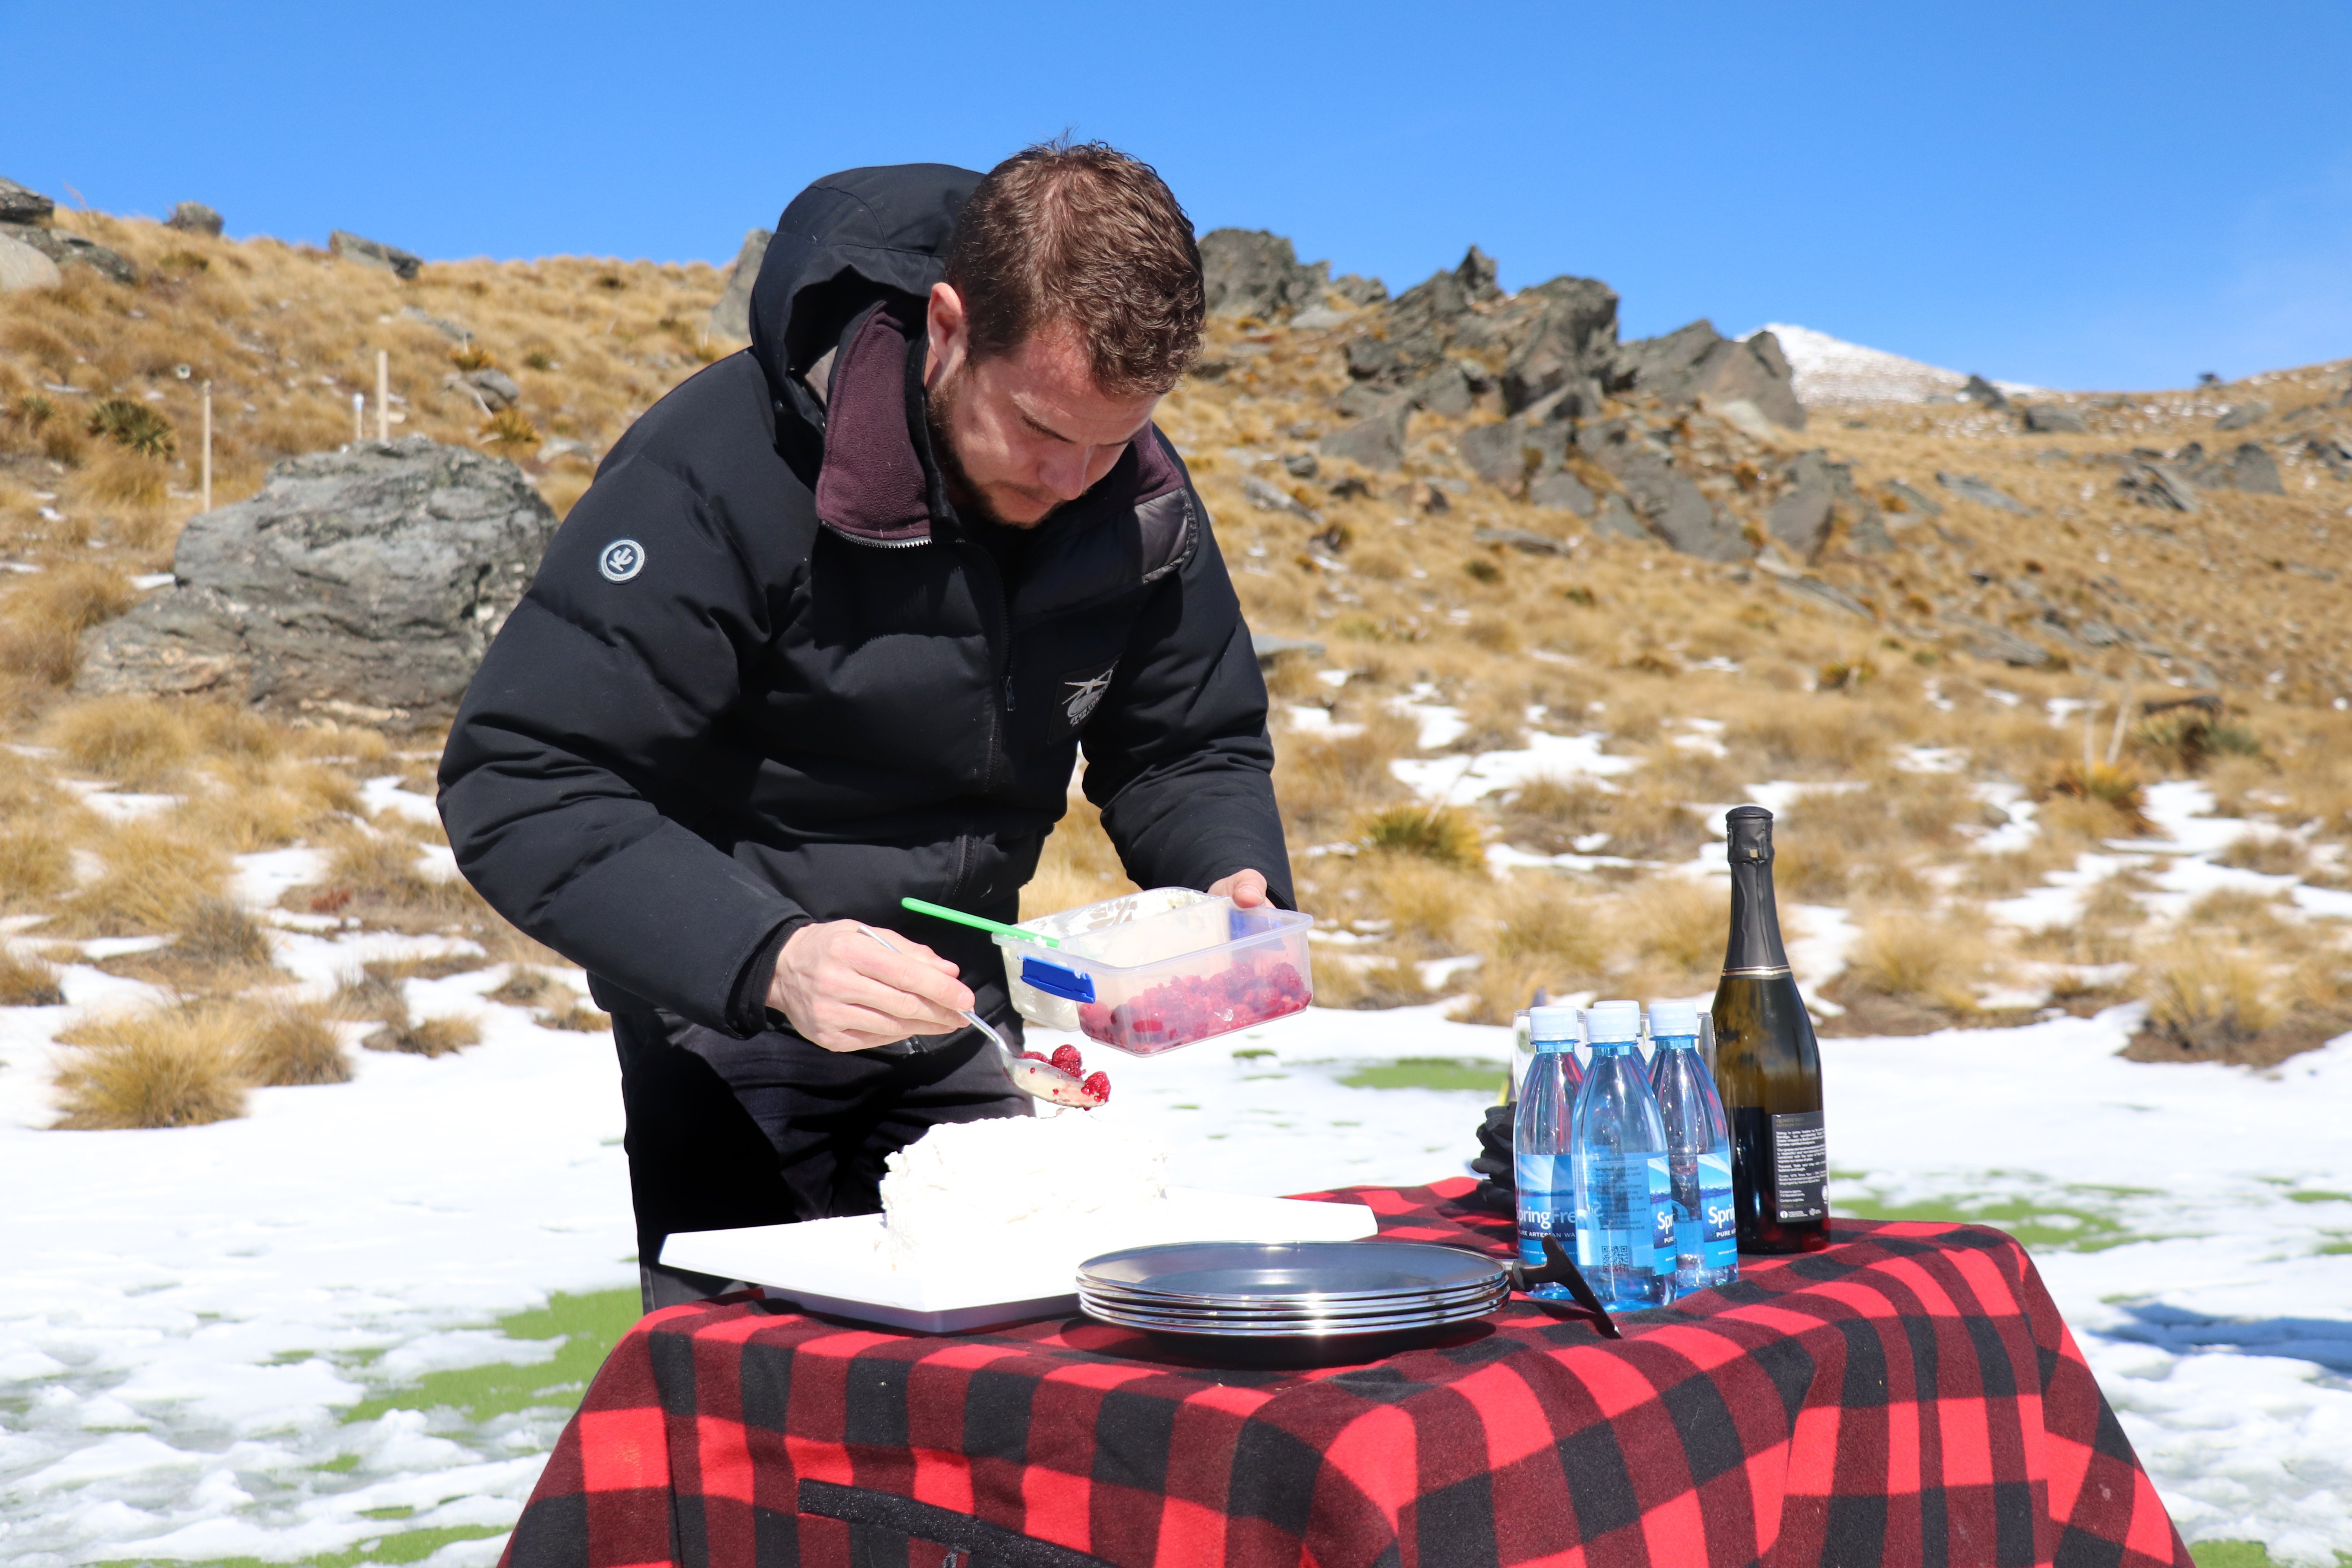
(1081, 696)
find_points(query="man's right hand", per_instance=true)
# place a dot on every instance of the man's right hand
(846, 992)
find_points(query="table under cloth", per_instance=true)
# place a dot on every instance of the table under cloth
(1909, 1395)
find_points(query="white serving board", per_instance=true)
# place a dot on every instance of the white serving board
(836, 1265)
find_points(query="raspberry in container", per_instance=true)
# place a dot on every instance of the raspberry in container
(1152, 971)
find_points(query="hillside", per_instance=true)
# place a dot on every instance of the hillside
(2003, 640)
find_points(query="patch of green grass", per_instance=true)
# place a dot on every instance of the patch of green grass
(408, 1546)
(2315, 1196)
(2241, 1555)
(590, 1326)
(1453, 1073)
(2041, 1225)
(398, 1510)
(1248, 1053)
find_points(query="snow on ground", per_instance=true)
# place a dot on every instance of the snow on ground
(1829, 370)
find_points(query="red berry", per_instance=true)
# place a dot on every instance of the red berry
(1066, 1056)
(1097, 1086)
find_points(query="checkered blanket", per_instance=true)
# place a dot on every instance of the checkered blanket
(1908, 1396)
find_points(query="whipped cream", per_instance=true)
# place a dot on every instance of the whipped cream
(1032, 1190)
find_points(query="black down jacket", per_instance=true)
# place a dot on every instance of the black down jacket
(763, 676)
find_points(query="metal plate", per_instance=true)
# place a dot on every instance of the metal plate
(1305, 1327)
(1318, 1273)
(1292, 1306)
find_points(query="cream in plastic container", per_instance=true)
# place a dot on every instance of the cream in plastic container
(1149, 971)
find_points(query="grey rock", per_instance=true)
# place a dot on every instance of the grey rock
(1512, 452)
(1446, 390)
(1868, 534)
(498, 389)
(1300, 464)
(1376, 440)
(194, 217)
(349, 246)
(70, 249)
(1800, 520)
(557, 447)
(2255, 471)
(1697, 361)
(1250, 272)
(1359, 398)
(1676, 509)
(369, 578)
(2241, 416)
(1266, 497)
(2153, 484)
(1413, 333)
(2050, 419)
(1978, 390)
(2331, 447)
(1999, 643)
(1967, 487)
(1820, 592)
(1560, 491)
(456, 332)
(731, 317)
(18, 204)
(1571, 344)
(24, 269)
(1359, 291)
(1320, 318)
(1927, 506)
(1523, 539)
(1615, 520)
(2188, 456)
(1269, 648)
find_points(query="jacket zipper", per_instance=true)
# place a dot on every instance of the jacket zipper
(1002, 682)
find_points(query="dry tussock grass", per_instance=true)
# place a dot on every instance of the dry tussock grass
(43, 616)
(34, 864)
(1929, 961)
(169, 1066)
(28, 982)
(292, 1046)
(152, 880)
(2205, 998)
(136, 741)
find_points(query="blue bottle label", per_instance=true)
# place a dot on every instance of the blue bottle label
(1718, 1227)
(1546, 1204)
(1627, 1212)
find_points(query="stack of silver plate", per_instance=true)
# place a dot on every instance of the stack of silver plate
(1297, 1289)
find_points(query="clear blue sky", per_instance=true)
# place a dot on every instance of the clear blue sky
(2080, 195)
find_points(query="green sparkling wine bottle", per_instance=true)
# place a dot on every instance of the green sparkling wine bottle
(1768, 1067)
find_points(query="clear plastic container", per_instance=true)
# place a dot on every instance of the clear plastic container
(1152, 971)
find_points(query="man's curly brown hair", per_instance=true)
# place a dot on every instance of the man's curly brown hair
(1085, 237)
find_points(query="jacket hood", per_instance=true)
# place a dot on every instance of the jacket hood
(843, 242)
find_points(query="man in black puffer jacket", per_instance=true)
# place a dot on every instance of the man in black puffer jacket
(828, 630)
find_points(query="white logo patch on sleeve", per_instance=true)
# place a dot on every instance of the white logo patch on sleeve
(623, 559)
(1083, 695)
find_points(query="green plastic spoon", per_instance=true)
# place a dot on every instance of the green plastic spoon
(978, 922)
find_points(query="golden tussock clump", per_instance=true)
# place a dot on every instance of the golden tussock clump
(292, 1046)
(1927, 961)
(170, 1066)
(28, 982)
(1439, 834)
(151, 881)
(136, 741)
(42, 618)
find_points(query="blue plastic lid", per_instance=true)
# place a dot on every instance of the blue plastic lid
(1552, 1025)
(1612, 1023)
(1674, 1020)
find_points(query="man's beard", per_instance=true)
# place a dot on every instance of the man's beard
(968, 499)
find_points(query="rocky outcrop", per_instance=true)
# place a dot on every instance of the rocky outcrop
(1250, 272)
(1694, 361)
(1668, 501)
(731, 317)
(366, 581)
(1376, 440)
(1569, 348)
(23, 268)
(18, 204)
(2051, 419)
(25, 219)
(348, 247)
(194, 217)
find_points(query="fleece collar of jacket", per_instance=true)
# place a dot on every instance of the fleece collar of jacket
(879, 484)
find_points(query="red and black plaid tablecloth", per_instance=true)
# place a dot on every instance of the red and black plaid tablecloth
(1908, 1396)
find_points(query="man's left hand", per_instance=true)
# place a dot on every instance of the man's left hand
(1246, 888)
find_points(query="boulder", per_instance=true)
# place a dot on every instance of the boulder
(1269, 648)
(1511, 453)
(68, 249)
(2255, 471)
(1989, 641)
(2152, 484)
(1980, 390)
(1572, 344)
(1359, 291)
(1697, 361)
(1969, 487)
(367, 579)
(1377, 440)
(194, 217)
(1913, 501)
(731, 317)
(22, 269)
(495, 387)
(1267, 497)
(18, 204)
(2242, 414)
(1800, 520)
(1250, 272)
(1523, 539)
(2050, 419)
(349, 246)
(456, 332)
(1560, 491)
(1447, 390)
(1670, 502)
(1414, 332)
(1615, 520)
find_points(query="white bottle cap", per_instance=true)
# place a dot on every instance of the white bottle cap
(1551, 1023)
(1611, 1022)
(1674, 1021)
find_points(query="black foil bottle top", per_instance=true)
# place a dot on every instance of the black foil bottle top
(1754, 947)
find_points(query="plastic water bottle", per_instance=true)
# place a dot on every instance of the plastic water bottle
(1539, 1138)
(1699, 1152)
(1625, 1196)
